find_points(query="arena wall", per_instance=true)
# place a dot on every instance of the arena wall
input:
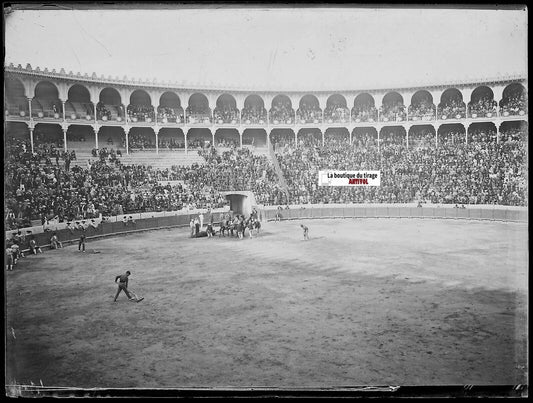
(497, 213)
(154, 221)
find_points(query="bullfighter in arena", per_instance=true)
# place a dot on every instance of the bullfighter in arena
(306, 232)
(123, 286)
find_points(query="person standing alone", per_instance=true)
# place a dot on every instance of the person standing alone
(81, 243)
(306, 232)
(123, 285)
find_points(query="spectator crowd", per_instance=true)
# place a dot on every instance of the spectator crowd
(281, 112)
(483, 106)
(480, 171)
(254, 114)
(141, 113)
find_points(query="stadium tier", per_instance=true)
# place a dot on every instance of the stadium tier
(79, 146)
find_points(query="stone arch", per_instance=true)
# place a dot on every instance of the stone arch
(112, 137)
(198, 111)
(482, 103)
(46, 102)
(336, 110)
(199, 138)
(392, 136)
(393, 108)
(170, 109)
(422, 106)
(309, 110)
(451, 105)
(140, 108)
(451, 134)
(421, 136)
(110, 105)
(363, 137)
(482, 132)
(281, 111)
(254, 111)
(337, 136)
(227, 138)
(514, 100)
(78, 103)
(16, 99)
(514, 131)
(364, 108)
(310, 138)
(280, 138)
(48, 134)
(81, 138)
(17, 131)
(226, 111)
(254, 137)
(141, 138)
(170, 138)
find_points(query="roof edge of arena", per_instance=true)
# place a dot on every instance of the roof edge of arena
(154, 83)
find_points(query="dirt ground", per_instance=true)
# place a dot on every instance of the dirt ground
(363, 302)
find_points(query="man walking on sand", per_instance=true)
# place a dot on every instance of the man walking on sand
(123, 285)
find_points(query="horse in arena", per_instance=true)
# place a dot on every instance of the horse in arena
(224, 227)
(257, 226)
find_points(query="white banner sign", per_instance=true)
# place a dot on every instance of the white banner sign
(349, 178)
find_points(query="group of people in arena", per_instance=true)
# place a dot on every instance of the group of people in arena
(228, 224)
(18, 242)
(480, 171)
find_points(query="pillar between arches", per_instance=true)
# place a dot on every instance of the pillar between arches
(31, 138)
(64, 138)
(126, 132)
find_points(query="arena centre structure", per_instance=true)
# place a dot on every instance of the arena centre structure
(86, 112)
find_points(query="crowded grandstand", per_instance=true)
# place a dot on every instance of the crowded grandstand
(69, 159)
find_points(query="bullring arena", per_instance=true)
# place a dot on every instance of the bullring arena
(420, 281)
(357, 304)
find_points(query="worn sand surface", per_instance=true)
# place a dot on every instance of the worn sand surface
(363, 302)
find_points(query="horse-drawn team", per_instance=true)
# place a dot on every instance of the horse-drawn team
(228, 224)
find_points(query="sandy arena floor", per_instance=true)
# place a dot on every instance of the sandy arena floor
(363, 302)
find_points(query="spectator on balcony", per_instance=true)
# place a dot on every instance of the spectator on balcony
(365, 112)
(226, 115)
(309, 113)
(281, 112)
(336, 113)
(254, 114)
